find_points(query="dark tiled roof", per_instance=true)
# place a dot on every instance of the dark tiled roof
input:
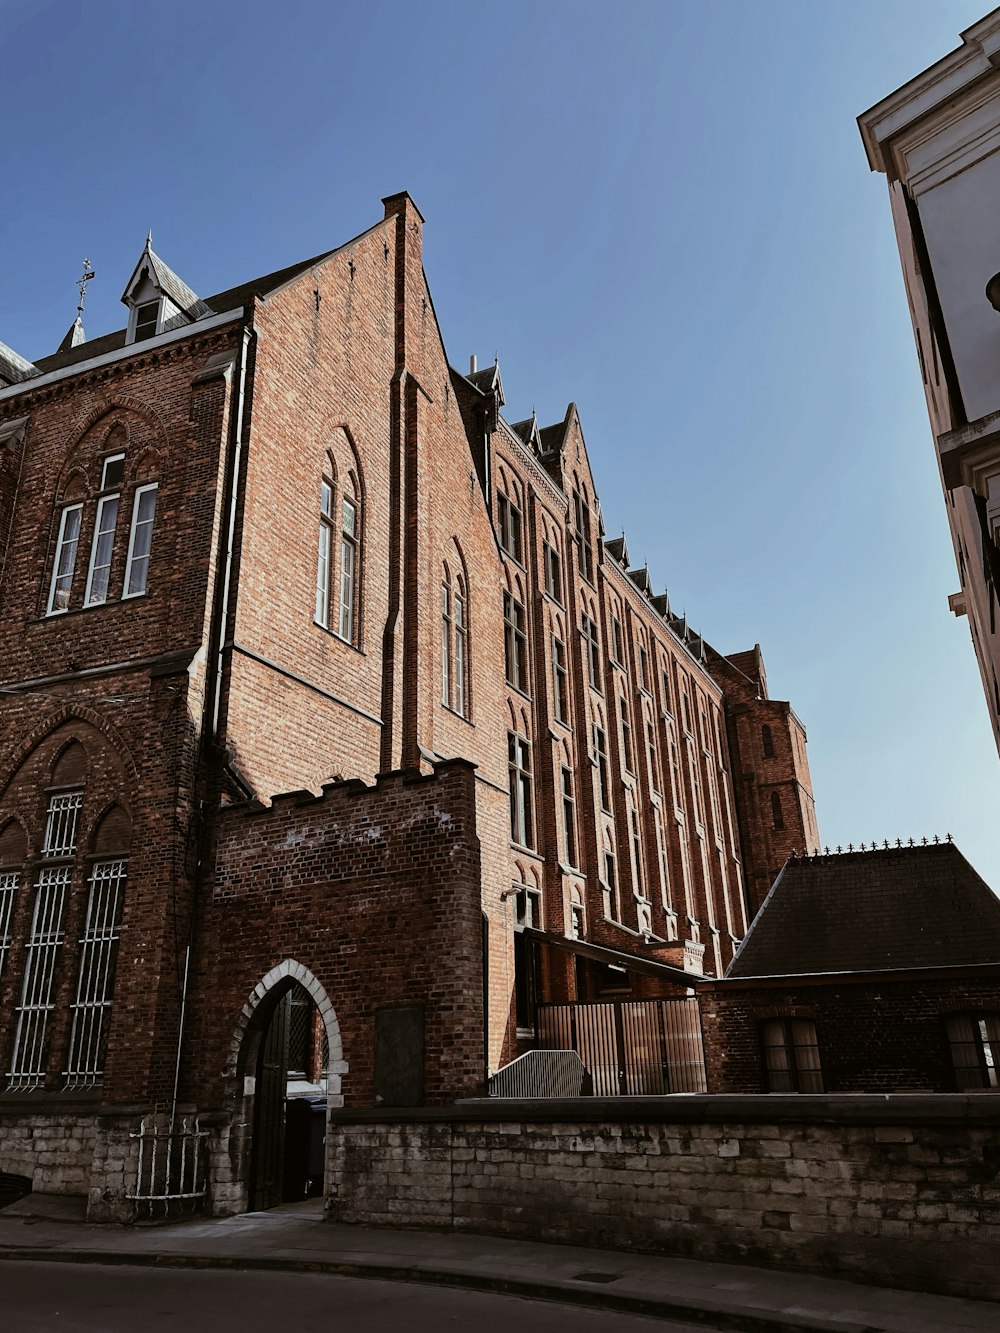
(551, 437)
(617, 548)
(231, 299)
(920, 906)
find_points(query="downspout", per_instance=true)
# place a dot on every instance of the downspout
(218, 630)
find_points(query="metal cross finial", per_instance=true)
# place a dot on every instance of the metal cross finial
(88, 273)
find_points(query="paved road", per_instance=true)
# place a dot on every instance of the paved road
(85, 1298)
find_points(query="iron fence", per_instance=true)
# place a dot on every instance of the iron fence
(171, 1177)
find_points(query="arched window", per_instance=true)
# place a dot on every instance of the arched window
(339, 543)
(65, 932)
(92, 502)
(777, 817)
(454, 643)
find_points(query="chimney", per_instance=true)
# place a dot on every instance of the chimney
(473, 367)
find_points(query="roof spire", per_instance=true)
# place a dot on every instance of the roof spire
(149, 239)
(81, 283)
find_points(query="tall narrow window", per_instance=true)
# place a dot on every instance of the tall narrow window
(8, 891)
(553, 572)
(643, 668)
(39, 984)
(147, 320)
(637, 865)
(325, 553)
(601, 757)
(515, 643)
(560, 681)
(569, 817)
(96, 975)
(509, 522)
(767, 741)
(610, 886)
(519, 771)
(654, 759)
(777, 816)
(100, 551)
(581, 513)
(348, 569)
(64, 565)
(461, 651)
(617, 648)
(140, 541)
(593, 651)
(626, 736)
(446, 645)
(665, 690)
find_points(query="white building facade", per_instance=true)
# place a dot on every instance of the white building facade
(936, 139)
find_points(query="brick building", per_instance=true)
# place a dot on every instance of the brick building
(333, 733)
(865, 971)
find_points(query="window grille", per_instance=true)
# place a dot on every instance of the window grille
(8, 888)
(38, 988)
(60, 828)
(96, 978)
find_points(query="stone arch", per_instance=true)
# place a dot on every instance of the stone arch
(259, 1009)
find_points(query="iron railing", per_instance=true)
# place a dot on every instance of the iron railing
(171, 1166)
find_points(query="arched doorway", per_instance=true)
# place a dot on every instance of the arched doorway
(289, 1055)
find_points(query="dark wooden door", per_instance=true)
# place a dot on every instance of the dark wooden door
(269, 1111)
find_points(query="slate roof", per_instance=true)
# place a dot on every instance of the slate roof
(13, 367)
(904, 907)
(231, 299)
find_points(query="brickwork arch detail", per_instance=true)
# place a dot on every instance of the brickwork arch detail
(281, 978)
(122, 403)
(69, 713)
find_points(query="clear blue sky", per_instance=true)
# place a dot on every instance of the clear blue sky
(661, 211)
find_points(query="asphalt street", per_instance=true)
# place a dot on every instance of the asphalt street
(92, 1298)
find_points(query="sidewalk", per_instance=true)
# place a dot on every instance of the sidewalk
(295, 1238)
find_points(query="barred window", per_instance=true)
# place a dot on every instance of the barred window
(96, 975)
(38, 987)
(8, 892)
(60, 826)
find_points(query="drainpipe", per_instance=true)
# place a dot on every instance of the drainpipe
(218, 631)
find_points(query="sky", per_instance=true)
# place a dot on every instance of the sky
(658, 209)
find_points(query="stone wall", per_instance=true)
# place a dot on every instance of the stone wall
(55, 1152)
(898, 1190)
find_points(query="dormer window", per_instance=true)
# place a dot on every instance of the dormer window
(147, 320)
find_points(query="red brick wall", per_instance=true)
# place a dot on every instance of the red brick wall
(877, 1033)
(377, 892)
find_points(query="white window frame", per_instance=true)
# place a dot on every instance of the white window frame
(52, 609)
(133, 320)
(324, 553)
(349, 555)
(102, 504)
(140, 491)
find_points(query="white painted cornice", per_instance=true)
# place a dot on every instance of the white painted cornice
(978, 57)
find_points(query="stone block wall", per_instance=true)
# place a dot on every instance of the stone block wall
(55, 1152)
(900, 1191)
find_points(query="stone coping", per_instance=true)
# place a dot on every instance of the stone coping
(848, 1108)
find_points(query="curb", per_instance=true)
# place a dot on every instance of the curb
(689, 1309)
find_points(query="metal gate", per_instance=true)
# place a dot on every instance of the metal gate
(633, 1048)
